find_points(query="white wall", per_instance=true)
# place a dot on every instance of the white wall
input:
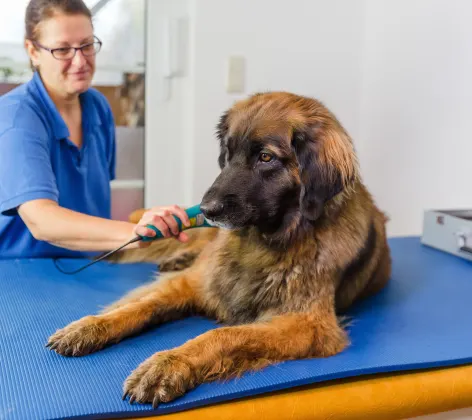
(395, 72)
(416, 124)
(310, 47)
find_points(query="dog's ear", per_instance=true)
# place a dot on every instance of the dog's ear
(326, 164)
(221, 132)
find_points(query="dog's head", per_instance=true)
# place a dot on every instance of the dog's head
(283, 158)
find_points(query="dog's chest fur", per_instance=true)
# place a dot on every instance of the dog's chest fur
(246, 281)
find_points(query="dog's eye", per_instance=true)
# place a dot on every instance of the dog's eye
(265, 157)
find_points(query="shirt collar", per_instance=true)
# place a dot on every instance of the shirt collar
(90, 117)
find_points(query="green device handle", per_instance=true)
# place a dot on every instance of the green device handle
(196, 220)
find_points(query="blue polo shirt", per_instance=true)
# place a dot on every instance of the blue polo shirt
(37, 160)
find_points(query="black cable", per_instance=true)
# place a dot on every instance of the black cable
(138, 238)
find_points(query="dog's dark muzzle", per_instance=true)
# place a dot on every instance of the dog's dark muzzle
(225, 199)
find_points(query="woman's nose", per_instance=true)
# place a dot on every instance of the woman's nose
(79, 58)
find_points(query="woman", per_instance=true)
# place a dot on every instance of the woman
(57, 147)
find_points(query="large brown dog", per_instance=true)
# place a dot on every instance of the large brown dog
(300, 240)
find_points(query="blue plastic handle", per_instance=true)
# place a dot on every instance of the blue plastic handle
(192, 212)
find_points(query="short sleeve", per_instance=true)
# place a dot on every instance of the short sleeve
(25, 170)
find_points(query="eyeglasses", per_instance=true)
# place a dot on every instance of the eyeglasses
(68, 53)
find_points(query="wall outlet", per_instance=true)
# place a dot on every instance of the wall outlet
(236, 72)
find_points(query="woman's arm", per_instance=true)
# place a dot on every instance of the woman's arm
(49, 222)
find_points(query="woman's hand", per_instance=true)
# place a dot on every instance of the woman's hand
(162, 218)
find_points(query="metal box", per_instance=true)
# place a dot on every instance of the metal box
(449, 231)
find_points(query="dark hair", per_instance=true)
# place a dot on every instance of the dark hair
(40, 10)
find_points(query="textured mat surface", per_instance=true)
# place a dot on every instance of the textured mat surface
(421, 320)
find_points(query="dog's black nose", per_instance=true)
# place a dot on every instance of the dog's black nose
(212, 208)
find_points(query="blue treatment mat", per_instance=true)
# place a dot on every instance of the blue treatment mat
(421, 320)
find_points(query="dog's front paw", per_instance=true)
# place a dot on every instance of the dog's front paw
(161, 378)
(79, 338)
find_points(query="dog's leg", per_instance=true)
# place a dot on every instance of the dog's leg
(170, 298)
(133, 296)
(230, 351)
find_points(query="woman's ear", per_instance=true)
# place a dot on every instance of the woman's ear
(32, 52)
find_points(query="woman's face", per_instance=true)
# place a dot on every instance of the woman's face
(69, 76)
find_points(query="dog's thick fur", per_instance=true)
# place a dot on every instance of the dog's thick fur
(301, 240)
